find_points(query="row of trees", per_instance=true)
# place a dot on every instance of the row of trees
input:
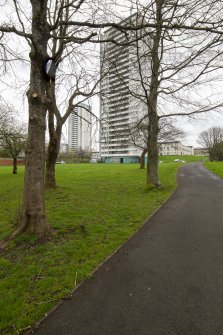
(76, 156)
(184, 52)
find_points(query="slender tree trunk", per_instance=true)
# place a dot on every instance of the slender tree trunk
(153, 154)
(142, 159)
(33, 212)
(153, 126)
(52, 153)
(54, 135)
(14, 165)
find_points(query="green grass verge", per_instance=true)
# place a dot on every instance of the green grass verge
(215, 167)
(169, 159)
(96, 208)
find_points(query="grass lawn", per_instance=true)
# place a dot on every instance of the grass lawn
(215, 167)
(186, 158)
(96, 208)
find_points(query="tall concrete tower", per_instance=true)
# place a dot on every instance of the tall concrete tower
(80, 128)
(119, 108)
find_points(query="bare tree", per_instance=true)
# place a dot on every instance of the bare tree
(13, 141)
(173, 65)
(6, 113)
(13, 137)
(47, 28)
(75, 156)
(167, 132)
(77, 96)
(34, 24)
(210, 140)
(181, 63)
(77, 79)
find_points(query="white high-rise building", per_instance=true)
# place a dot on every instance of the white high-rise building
(80, 128)
(120, 109)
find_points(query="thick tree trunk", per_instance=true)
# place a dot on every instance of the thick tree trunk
(33, 212)
(14, 165)
(142, 159)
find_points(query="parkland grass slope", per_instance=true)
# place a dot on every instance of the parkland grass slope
(215, 167)
(94, 210)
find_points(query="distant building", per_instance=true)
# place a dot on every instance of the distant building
(200, 152)
(175, 148)
(80, 128)
(95, 155)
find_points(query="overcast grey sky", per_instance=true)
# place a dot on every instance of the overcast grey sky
(13, 86)
(17, 97)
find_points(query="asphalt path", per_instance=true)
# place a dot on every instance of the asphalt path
(167, 279)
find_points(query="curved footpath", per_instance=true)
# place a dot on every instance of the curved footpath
(168, 279)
